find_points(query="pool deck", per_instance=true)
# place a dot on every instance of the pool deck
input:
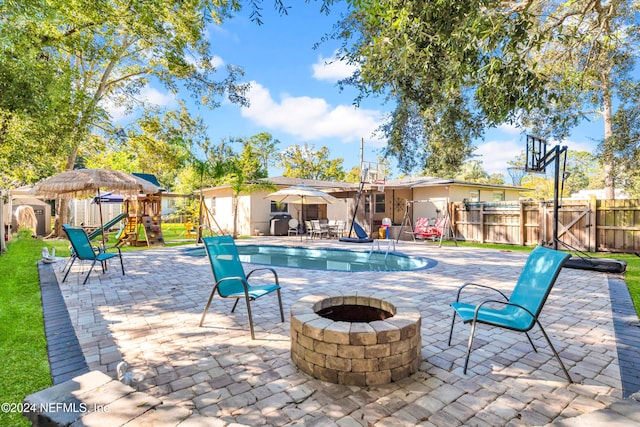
(149, 318)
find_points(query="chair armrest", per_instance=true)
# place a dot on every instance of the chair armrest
(112, 247)
(265, 268)
(480, 286)
(479, 306)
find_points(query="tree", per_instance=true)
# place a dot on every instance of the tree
(308, 163)
(159, 142)
(589, 57)
(242, 172)
(265, 148)
(473, 171)
(107, 52)
(453, 68)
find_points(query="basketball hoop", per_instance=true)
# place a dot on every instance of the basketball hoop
(380, 183)
(516, 173)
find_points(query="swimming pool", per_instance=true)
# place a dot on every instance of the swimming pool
(330, 259)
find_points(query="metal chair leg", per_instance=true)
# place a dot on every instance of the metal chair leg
(206, 308)
(253, 336)
(89, 273)
(466, 360)
(451, 330)
(280, 302)
(555, 353)
(531, 342)
(73, 259)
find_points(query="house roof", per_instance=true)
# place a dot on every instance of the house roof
(428, 181)
(409, 182)
(149, 177)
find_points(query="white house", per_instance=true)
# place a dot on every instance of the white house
(423, 196)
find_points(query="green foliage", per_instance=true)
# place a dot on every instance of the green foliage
(452, 67)
(308, 163)
(243, 172)
(159, 142)
(102, 54)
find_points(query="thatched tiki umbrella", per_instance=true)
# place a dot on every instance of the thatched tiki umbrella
(80, 183)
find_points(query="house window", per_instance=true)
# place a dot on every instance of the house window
(279, 207)
(213, 206)
(474, 196)
(498, 196)
(378, 204)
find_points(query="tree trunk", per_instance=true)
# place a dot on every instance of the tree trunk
(608, 157)
(235, 216)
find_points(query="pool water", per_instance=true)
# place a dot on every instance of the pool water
(325, 258)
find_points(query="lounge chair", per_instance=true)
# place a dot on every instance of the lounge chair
(520, 311)
(363, 237)
(83, 251)
(230, 279)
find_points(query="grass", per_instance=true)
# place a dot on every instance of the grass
(24, 365)
(23, 349)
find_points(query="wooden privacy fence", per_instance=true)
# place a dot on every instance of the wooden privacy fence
(588, 225)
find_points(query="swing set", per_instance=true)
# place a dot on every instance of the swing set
(441, 228)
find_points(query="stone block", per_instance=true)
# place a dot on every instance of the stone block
(351, 351)
(338, 363)
(378, 377)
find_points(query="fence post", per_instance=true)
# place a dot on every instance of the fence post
(481, 212)
(542, 223)
(523, 232)
(593, 220)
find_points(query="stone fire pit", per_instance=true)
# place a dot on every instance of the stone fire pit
(355, 339)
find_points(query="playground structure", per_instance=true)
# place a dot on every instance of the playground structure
(142, 212)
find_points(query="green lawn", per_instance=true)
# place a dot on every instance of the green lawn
(23, 351)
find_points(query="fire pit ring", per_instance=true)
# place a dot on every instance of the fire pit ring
(354, 339)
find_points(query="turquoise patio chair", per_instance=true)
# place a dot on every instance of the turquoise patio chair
(83, 251)
(519, 312)
(230, 279)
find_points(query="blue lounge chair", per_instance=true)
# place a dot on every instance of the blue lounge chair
(519, 312)
(83, 250)
(230, 279)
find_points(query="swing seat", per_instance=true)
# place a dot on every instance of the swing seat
(425, 231)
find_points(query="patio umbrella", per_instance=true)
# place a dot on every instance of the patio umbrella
(88, 182)
(303, 195)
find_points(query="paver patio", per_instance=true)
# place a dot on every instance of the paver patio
(149, 319)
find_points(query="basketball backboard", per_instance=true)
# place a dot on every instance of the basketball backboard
(536, 154)
(374, 173)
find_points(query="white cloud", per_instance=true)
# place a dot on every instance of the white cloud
(215, 61)
(310, 118)
(332, 69)
(511, 129)
(495, 154)
(153, 96)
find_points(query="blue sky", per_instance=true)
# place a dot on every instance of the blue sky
(294, 95)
